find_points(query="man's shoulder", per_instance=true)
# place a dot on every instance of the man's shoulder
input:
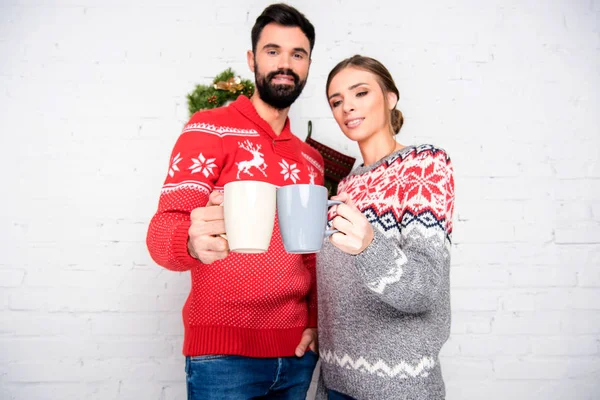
(221, 122)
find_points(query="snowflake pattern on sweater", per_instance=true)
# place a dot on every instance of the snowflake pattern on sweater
(402, 194)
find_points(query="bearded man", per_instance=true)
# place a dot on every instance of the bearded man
(250, 319)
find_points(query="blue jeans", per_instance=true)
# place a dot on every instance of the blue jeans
(333, 395)
(243, 378)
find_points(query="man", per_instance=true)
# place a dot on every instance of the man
(250, 319)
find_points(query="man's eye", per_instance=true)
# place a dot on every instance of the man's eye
(298, 56)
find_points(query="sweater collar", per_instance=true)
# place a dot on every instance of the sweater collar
(282, 143)
(362, 168)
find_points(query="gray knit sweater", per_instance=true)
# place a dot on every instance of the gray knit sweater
(385, 313)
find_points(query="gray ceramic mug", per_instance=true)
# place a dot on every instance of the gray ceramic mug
(302, 213)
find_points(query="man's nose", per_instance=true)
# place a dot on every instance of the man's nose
(284, 62)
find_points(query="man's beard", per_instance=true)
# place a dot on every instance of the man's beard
(278, 96)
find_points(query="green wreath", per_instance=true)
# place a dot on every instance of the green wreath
(225, 87)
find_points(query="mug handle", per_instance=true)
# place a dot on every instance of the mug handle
(223, 235)
(330, 203)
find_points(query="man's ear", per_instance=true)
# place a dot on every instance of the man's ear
(392, 99)
(250, 57)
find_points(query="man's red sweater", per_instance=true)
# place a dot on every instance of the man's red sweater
(254, 305)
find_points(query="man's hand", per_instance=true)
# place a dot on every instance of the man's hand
(308, 340)
(207, 223)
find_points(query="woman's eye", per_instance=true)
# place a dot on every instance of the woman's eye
(361, 94)
(336, 103)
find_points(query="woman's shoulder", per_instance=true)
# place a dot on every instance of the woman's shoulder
(424, 151)
(422, 156)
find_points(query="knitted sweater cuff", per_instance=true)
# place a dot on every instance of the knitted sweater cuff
(180, 246)
(372, 262)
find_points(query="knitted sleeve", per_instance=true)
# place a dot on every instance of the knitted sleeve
(195, 164)
(408, 270)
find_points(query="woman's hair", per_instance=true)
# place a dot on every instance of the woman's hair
(383, 76)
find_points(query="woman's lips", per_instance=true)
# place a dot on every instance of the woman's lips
(354, 122)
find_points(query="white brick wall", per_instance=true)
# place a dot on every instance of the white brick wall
(92, 97)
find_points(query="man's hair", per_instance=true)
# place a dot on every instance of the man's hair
(284, 15)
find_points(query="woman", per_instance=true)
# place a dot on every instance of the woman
(384, 293)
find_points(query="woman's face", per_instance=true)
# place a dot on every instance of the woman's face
(358, 104)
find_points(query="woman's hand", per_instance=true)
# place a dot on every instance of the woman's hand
(356, 233)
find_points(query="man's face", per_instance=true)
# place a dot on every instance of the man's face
(280, 64)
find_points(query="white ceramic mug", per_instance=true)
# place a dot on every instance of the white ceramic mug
(249, 208)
